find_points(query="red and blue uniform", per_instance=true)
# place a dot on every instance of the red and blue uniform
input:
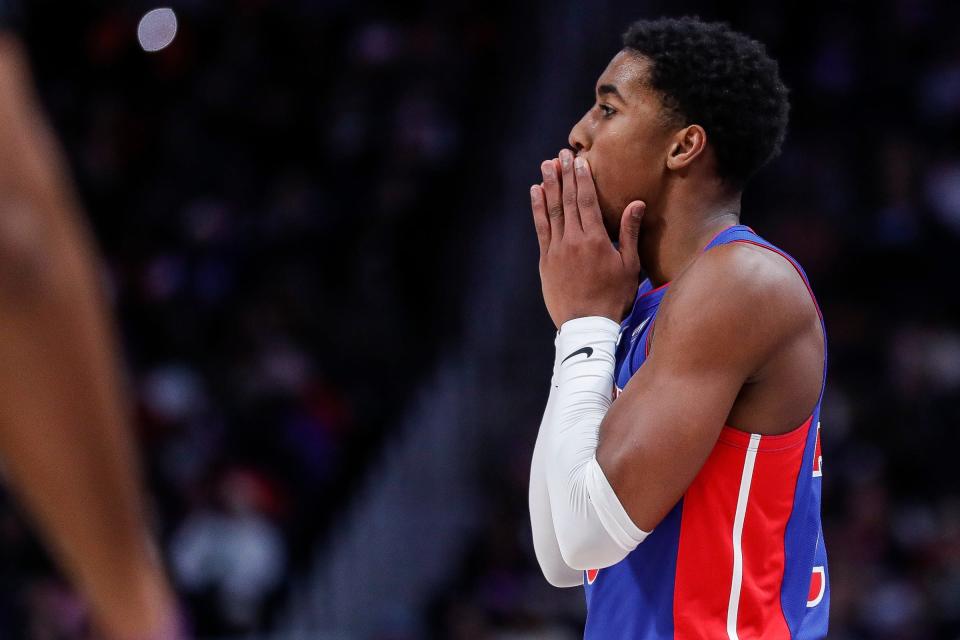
(741, 555)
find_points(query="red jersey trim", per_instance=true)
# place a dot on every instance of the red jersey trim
(741, 439)
(663, 286)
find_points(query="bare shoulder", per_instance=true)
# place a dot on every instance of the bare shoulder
(743, 274)
(740, 296)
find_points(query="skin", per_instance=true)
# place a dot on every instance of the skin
(737, 340)
(65, 442)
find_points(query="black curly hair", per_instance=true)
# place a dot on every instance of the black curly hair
(708, 74)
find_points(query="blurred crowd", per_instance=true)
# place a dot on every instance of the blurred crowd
(282, 199)
(275, 197)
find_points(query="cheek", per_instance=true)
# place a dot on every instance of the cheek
(609, 196)
(614, 170)
(629, 170)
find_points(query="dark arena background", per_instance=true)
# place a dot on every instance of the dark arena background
(315, 230)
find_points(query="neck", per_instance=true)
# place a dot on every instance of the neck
(674, 233)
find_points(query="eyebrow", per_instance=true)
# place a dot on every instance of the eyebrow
(609, 89)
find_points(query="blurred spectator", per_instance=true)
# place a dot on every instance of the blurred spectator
(230, 557)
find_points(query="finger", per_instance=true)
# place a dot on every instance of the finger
(540, 220)
(590, 216)
(571, 215)
(630, 233)
(551, 191)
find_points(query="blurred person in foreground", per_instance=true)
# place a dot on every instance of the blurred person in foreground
(677, 470)
(65, 445)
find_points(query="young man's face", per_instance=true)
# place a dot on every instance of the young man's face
(624, 137)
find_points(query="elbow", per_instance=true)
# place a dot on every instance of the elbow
(562, 579)
(591, 550)
(581, 553)
(578, 556)
(554, 570)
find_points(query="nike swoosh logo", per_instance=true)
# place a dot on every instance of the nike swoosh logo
(586, 350)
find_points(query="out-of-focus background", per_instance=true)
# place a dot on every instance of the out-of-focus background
(315, 224)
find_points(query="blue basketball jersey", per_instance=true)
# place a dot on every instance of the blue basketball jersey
(741, 555)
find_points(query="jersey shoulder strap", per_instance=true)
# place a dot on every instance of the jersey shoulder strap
(743, 233)
(736, 233)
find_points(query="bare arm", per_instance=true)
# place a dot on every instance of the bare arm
(718, 325)
(64, 439)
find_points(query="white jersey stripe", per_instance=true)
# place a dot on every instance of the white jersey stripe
(734, 605)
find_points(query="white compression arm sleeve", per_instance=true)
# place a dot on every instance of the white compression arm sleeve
(593, 529)
(545, 545)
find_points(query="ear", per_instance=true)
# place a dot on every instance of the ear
(687, 144)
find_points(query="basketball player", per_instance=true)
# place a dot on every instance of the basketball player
(65, 446)
(677, 469)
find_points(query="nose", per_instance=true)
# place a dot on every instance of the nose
(579, 137)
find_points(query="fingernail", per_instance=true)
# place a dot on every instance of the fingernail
(565, 159)
(533, 192)
(637, 212)
(580, 164)
(547, 169)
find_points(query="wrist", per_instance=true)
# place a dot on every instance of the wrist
(616, 315)
(605, 325)
(590, 339)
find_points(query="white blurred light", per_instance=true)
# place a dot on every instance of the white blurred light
(157, 29)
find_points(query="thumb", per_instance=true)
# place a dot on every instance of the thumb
(630, 233)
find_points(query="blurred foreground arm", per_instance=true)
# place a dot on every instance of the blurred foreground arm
(65, 446)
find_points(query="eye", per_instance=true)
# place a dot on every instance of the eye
(606, 110)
